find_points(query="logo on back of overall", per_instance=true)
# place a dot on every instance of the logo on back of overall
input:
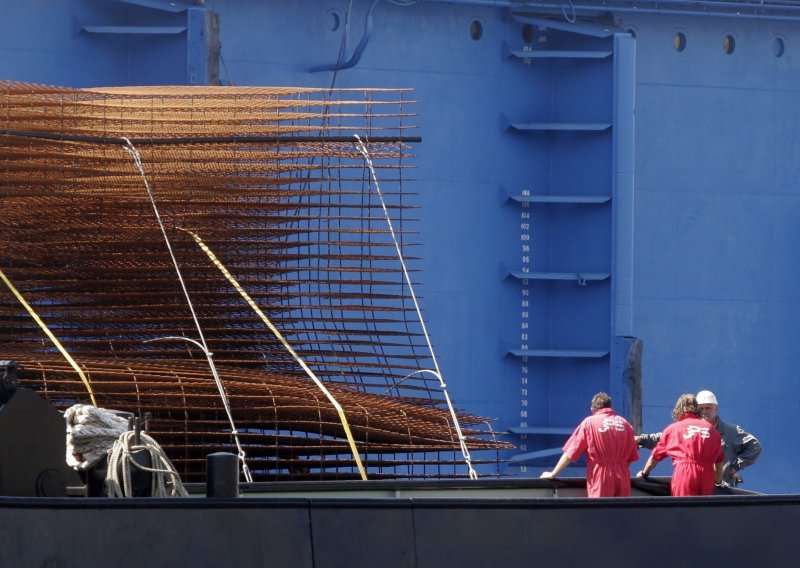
(612, 423)
(692, 431)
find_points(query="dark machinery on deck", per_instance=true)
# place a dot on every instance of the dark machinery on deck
(32, 442)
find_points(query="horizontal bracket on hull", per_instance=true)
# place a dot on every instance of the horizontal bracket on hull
(582, 28)
(134, 30)
(508, 52)
(561, 126)
(577, 199)
(521, 459)
(568, 353)
(581, 277)
(544, 430)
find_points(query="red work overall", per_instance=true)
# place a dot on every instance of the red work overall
(610, 447)
(694, 446)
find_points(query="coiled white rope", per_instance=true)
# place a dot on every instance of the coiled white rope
(91, 432)
(131, 149)
(164, 479)
(94, 433)
(436, 372)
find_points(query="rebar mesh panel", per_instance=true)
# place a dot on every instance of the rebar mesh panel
(270, 179)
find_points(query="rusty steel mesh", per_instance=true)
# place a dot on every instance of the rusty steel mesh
(271, 181)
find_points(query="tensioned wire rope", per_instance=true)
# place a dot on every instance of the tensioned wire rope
(131, 149)
(436, 372)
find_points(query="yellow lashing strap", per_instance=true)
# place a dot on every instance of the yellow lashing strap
(288, 347)
(52, 337)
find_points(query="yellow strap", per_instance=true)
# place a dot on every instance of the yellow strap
(50, 335)
(288, 347)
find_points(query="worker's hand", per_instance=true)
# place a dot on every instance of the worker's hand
(546, 475)
(642, 475)
(640, 439)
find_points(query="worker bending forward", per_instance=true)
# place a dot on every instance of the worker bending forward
(610, 447)
(695, 447)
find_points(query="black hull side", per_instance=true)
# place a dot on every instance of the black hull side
(753, 530)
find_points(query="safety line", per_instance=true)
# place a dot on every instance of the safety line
(52, 337)
(288, 347)
(131, 149)
(461, 439)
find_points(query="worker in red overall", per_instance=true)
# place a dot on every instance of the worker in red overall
(695, 447)
(610, 447)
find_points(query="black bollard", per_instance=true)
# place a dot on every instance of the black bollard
(222, 475)
(141, 479)
(95, 478)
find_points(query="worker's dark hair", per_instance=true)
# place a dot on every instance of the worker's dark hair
(686, 403)
(600, 400)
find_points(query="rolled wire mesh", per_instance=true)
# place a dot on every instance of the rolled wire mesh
(268, 178)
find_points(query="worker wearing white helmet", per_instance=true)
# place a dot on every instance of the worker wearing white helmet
(741, 448)
(706, 397)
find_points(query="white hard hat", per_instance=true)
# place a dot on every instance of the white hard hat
(706, 397)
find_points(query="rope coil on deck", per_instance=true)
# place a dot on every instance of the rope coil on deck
(94, 433)
(165, 481)
(91, 431)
